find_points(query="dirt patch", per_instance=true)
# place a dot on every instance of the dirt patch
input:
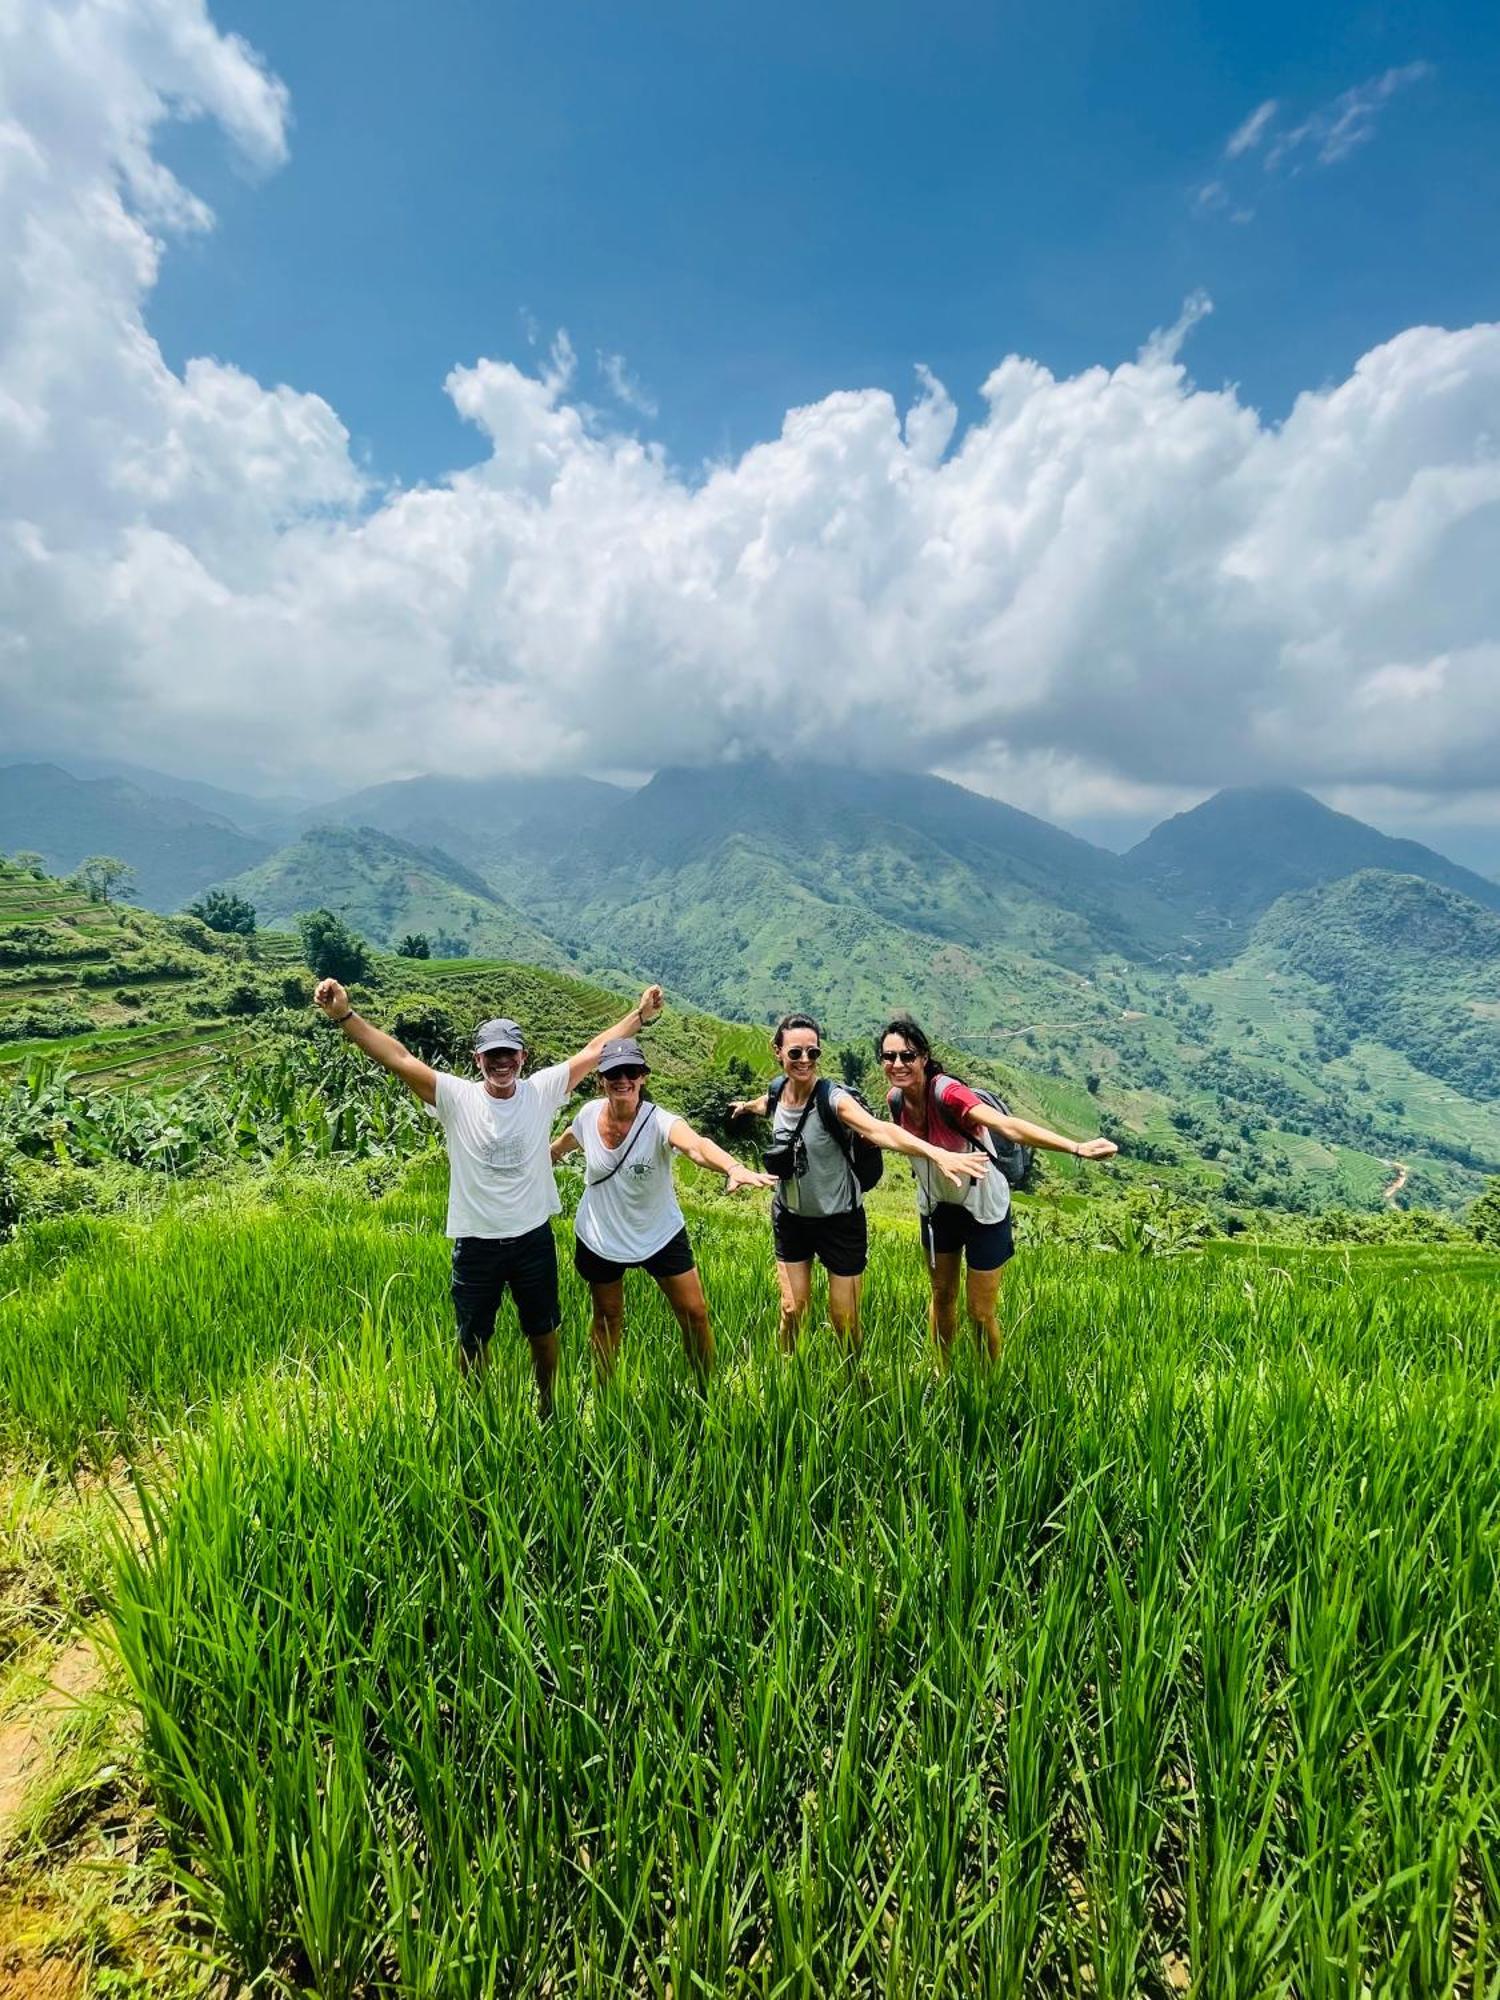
(26, 1739)
(40, 1979)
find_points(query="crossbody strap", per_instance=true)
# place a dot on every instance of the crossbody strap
(636, 1130)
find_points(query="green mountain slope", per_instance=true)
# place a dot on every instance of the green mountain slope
(1402, 962)
(385, 887)
(761, 886)
(1230, 858)
(175, 846)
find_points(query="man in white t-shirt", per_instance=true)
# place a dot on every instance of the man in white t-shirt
(502, 1194)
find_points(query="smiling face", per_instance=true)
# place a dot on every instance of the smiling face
(501, 1069)
(800, 1052)
(622, 1091)
(904, 1064)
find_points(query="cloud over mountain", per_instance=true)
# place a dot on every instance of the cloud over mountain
(1110, 581)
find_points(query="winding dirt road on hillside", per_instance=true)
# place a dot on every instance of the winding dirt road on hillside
(1402, 1176)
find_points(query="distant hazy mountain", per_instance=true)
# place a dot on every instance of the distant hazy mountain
(385, 887)
(1231, 857)
(479, 820)
(175, 846)
(269, 818)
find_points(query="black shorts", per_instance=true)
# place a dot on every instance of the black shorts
(840, 1242)
(673, 1260)
(951, 1228)
(482, 1268)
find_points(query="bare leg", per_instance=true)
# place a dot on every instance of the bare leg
(795, 1284)
(544, 1367)
(944, 1270)
(684, 1294)
(843, 1310)
(607, 1325)
(984, 1310)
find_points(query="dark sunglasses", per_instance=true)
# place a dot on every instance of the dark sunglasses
(899, 1056)
(803, 1055)
(501, 1055)
(631, 1075)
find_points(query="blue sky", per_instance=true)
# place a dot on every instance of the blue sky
(299, 490)
(757, 206)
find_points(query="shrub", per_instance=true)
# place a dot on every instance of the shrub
(222, 910)
(331, 948)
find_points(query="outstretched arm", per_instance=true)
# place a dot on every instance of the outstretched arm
(750, 1107)
(704, 1153)
(646, 1009)
(333, 1001)
(894, 1138)
(1024, 1133)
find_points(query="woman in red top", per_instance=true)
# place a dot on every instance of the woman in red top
(971, 1221)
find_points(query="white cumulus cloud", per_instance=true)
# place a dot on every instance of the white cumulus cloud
(1110, 587)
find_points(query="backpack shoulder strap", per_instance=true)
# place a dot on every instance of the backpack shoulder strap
(980, 1140)
(835, 1127)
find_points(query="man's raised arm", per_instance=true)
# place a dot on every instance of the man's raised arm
(331, 998)
(646, 1009)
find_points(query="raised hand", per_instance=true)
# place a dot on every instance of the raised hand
(331, 998)
(1097, 1149)
(651, 1003)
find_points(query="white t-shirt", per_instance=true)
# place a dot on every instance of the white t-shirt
(630, 1216)
(500, 1179)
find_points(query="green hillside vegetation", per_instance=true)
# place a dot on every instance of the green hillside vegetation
(384, 887)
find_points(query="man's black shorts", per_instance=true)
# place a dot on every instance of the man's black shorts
(841, 1242)
(673, 1260)
(951, 1227)
(482, 1268)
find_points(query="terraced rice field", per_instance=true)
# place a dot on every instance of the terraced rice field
(1162, 1658)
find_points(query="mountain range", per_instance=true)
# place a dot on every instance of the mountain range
(1260, 966)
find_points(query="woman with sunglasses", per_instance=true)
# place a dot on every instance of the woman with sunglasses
(974, 1221)
(818, 1210)
(628, 1218)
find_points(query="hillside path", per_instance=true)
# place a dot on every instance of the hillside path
(1403, 1174)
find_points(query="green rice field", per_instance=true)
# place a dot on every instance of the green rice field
(1161, 1658)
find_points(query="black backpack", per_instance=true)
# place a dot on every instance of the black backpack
(866, 1162)
(1009, 1155)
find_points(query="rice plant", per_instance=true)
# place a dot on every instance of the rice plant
(1162, 1657)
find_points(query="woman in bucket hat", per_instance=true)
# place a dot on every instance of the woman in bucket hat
(628, 1218)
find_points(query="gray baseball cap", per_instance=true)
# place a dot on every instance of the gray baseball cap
(497, 1035)
(625, 1052)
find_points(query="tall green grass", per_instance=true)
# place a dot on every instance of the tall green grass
(1167, 1652)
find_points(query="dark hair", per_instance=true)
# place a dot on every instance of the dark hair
(795, 1021)
(910, 1033)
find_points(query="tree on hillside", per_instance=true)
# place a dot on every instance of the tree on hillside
(331, 949)
(105, 876)
(1484, 1216)
(29, 860)
(444, 946)
(415, 944)
(222, 910)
